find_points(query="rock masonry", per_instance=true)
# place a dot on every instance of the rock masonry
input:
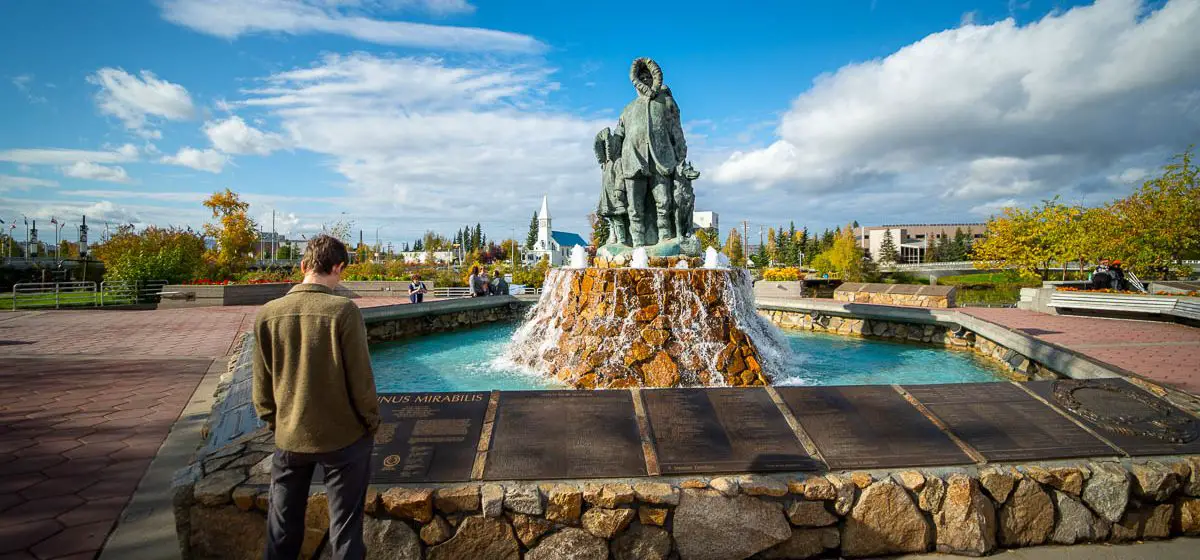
(623, 327)
(220, 512)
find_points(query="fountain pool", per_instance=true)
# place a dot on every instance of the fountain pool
(470, 360)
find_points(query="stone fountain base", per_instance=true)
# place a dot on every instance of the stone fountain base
(621, 327)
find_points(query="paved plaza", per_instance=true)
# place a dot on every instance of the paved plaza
(87, 398)
(1166, 353)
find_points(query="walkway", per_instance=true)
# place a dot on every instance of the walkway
(1168, 353)
(87, 398)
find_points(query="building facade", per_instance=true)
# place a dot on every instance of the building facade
(913, 241)
(554, 245)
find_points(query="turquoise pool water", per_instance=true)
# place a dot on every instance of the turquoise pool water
(469, 360)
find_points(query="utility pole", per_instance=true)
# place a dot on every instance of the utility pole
(274, 244)
(745, 236)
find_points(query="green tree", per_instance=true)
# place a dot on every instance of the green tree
(887, 249)
(531, 238)
(170, 254)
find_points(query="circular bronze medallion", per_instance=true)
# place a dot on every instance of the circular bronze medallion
(1125, 410)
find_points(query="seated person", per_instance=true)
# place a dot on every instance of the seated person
(1117, 275)
(1100, 278)
(498, 286)
(478, 282)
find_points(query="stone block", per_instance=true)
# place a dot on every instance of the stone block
(804, 543)
(415, 504)
(491, 497)
(437, 531)
(479, 537)
(563, 504)
(1155, 481)
(656, 493)
(226, 533)
(454, 499)
(966, 524)
(523, 498)
(653, 516)
(1107, 490)
(1076, 523)
(571, 543)
(608, 495)
(804, 513)
(885, 521)
(605, 522)
(711, 526)
(760, 485)
(642, 543)
(1027, 518)
(529, 528)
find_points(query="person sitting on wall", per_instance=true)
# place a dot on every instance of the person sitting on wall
(478, 282)
(1118, 276)
(498, 286)
(1101, 277)
(416, 289)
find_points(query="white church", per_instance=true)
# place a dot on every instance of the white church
(553, 244)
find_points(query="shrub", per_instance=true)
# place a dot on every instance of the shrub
(783, 274)
(170, 254)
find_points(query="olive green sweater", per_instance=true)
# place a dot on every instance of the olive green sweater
(313, 383)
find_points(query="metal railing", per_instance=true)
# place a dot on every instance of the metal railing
(53, 294)
(463, 291)
(125, 292)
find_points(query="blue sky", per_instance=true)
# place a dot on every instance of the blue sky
(407, 115)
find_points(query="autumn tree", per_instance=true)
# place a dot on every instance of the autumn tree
(734, 249)
(234, 233)
(1158, 227)
(708, 237)
(600, 229)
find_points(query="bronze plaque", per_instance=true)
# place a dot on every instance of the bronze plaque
(1004, 423)
(722, 430)
(565, 434)
(1132, 419)
(869, 426)
(427, 437)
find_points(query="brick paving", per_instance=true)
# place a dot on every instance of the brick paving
(1167, 353)
(86, 399)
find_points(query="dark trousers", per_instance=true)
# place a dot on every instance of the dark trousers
(416, 298)
(347, 472)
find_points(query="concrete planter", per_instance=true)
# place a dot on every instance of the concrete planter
(188, 295)
(785, 290)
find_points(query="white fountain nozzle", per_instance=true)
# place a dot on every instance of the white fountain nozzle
(640, 258)
(578, 257)
(715, 260)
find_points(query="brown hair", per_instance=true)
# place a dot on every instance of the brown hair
(475, 269)
(323, 253)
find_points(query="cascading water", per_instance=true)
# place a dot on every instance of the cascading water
(624, 327)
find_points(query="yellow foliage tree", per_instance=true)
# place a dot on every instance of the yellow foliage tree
(1158, 226)
(734, 248)
(234, 233)
(846, 257)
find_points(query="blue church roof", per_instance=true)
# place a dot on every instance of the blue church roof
(567, 239)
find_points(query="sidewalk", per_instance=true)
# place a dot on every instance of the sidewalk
(1182, 548)
(1167, 353)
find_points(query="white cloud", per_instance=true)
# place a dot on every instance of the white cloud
(233, 18)
(61, 156)
(987, 114)
(417, 138)
(211, 161)
(24, 84)
(10, 182)
(234, 136)
(134, 99)
(96, 172)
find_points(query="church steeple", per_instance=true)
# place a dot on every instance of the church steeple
(544, 225)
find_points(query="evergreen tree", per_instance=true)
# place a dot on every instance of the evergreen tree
(783, 248)
(962, 245)
(477, 237)
(887, 249)
(533, 232)
(827, 239)
(802, 245)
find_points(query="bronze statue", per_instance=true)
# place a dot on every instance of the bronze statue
(648, 197)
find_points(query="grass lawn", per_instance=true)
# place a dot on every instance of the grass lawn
(65, 299)
(989, 288)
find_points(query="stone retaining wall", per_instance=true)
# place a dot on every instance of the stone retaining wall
(909, 295)
(1021, 367)
(442, 317)
(219, 511)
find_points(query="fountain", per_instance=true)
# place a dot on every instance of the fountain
(646, 313)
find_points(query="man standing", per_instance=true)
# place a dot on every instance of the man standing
(314, 388)
(652, 145)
